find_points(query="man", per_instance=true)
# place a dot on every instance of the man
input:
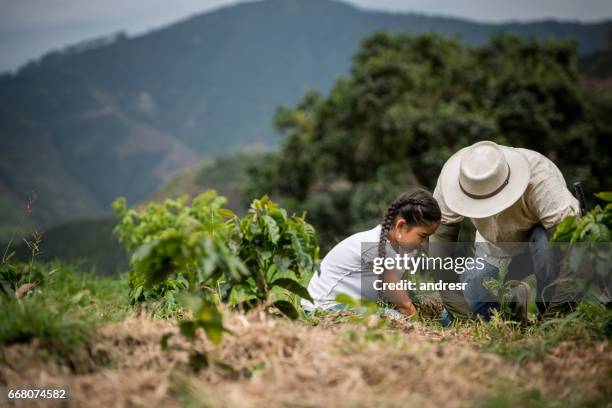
(515, 198)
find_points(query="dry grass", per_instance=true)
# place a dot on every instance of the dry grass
(275, 362)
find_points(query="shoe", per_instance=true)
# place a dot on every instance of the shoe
(519, 303)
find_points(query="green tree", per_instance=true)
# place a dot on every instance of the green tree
(412, 101)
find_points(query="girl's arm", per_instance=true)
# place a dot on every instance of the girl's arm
(398, 297)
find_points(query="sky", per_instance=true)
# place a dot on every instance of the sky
(29, 28)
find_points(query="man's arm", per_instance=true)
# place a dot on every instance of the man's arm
(548, 196)
(443, 244)
(450, 224)
(446, 233)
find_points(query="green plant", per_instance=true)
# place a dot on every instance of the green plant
(595, 226)
(279, 250)
(201, 254)
(178, 247)
(501, 289)
(586, 242)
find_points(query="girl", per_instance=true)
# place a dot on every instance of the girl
(348, 268)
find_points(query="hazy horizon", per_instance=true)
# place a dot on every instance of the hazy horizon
(28, 31)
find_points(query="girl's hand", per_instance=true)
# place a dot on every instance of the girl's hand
(406, 308)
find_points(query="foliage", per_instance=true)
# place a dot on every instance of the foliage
(208, 251)
(589, 254)
(176, 246)
(595, 226)
(501, 289)
(412, 101)
(278, 249)
(597, 65)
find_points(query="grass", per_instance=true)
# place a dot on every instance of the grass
(589, 321)
(63, 308)
(277, 361)
(58, 319)
(510, 396)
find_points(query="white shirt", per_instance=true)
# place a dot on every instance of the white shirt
(347, 269)
(546, 201)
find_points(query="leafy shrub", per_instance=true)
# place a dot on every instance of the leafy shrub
(208, 251)
(589, 253)
(595, 226)
(278, 249)
(178, 247)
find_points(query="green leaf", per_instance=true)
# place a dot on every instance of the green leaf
(227, 367)
(272, 227)
(346, 300)
(164, 340)
(137, 294)
(210, 319)
(605, 196)
(188, 329)
(190, 301)
(564, 230)
(214, 331)
(293, 287)
(224, 212)
(287, 309)
(198, 361)
(119, 206)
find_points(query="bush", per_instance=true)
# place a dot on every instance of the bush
(207, 251)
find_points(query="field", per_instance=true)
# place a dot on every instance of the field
(208, 315)
(120, 341)
(79, 331)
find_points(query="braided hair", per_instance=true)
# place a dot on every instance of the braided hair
(417, 207)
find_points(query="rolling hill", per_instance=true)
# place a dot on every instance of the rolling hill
(121, 115)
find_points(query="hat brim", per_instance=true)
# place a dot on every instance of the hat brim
(470, 207)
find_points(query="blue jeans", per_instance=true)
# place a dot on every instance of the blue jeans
(540, 258)
(446, 319)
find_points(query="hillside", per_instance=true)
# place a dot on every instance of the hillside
(81, 333)
(119, 116)
(87, 242)
(227, 174)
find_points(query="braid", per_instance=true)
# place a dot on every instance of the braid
(387, 223)
(417, 207)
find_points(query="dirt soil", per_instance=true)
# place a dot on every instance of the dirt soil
(274, 362)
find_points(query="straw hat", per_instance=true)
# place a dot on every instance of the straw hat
(484, 179)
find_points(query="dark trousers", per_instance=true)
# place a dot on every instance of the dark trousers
(540, 258)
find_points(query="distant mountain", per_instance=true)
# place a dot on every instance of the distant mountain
(118, 116)
(227, 174)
